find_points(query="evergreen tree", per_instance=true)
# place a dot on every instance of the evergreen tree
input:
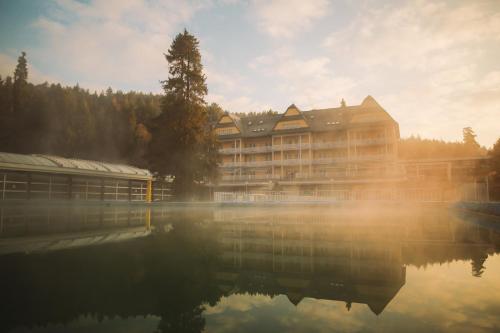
(20, 81)
(186, 82)
(183, 144)
(6, 113)
(477, 264)
(470, 137)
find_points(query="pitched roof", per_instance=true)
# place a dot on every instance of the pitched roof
(318, 120)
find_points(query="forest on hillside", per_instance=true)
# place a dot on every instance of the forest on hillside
(74, 122)
(415, 147)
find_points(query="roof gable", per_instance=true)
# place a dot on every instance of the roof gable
(227, 125)
(291, 119)
(292, 110)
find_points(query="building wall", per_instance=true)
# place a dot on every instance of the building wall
(23, 185)
(359, 152)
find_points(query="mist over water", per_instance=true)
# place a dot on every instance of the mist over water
(269, 268)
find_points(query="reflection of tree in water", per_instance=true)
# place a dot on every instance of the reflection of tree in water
(478, 264)
(189, 321)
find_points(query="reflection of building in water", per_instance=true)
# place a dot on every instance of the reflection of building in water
(322, 261)
(28, 228)
(343, 256)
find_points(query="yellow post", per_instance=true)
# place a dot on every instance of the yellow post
(149, 190)
(148, 218)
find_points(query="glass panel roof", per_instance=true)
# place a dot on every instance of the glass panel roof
(26, 159)
(61, 162)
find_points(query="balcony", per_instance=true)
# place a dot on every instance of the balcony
(243, 178)
(303, 146)
(247, 150)
(229, 150)
(328, 145)
(248, 164)
(292, 146)
(345, 159)
(304, 161)
(257, 163)
(316, 176)
(294, 161)
(259, 149)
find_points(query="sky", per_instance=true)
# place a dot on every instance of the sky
(432, 64)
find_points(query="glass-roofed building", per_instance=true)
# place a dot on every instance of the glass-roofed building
(53, 177)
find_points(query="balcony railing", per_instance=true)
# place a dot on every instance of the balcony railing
(257, 163)
(246, 150)
(240, 178)
(292, 146)
(229, 150)
(327, 145)
(303, 146)
(316, 161)
(328, 176)
(345, 159)
(246, 164)
(295, 161)
(259, 149)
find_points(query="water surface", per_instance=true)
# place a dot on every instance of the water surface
(265, 269)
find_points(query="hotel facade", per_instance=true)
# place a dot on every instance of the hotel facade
(321, 149)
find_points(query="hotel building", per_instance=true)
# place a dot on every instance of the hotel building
(320, 149)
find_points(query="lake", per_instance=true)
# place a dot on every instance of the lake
(269, 268)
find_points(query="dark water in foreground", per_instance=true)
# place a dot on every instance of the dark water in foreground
(281, 269)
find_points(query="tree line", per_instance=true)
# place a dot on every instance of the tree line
(73, 122)
(415, 147)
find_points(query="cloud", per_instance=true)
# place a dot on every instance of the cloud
(237, 103)
(429, 63)
(111, 43)
(286, 18)
(416, 35)
(312, 82)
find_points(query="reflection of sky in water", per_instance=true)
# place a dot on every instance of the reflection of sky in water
(106, 325)
(434, 299)
(242, 270)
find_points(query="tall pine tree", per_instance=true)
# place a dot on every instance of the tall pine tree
(20, 82)
(183, 144)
